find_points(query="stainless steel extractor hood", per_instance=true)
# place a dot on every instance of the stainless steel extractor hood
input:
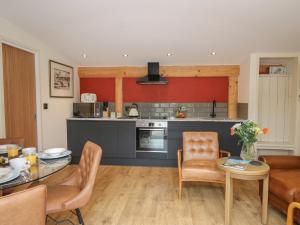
(153, 76)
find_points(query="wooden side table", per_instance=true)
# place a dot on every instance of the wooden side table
(250, 173)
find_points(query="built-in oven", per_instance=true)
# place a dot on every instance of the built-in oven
(151, 137)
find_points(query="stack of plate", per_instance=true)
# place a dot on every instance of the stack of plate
(8, 174)
(4, 148)
(54, 153)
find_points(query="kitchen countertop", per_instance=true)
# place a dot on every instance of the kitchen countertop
(175, 119)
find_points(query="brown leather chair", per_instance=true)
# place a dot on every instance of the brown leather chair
(15, 140)
(284, 187)
(290, 215)
(197, 160)
(76, 190)
(26, 207)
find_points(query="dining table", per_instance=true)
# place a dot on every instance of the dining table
(43, 169)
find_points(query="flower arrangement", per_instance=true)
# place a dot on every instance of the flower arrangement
(248, 132)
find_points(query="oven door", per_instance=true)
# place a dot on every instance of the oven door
(151, 140)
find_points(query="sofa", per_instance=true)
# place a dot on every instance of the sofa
(284, 186)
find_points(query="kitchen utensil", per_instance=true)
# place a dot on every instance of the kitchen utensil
(133, 110)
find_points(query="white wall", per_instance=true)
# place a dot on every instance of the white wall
(243, 86)
(53, 120)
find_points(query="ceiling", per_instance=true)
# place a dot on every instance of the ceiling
(147, 30)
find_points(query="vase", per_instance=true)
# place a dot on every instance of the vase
(249, 152)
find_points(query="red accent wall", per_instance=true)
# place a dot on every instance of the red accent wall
(104, 88)
(198, 89)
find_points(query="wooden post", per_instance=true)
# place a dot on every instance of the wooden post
(232, 97)
(118, 94)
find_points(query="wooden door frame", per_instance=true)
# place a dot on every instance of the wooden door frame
(37, 88)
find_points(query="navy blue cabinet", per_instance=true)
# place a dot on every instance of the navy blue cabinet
(117, 139)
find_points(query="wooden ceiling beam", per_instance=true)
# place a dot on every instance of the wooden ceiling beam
(166, 71)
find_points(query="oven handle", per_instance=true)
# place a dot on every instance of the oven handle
(151, 129)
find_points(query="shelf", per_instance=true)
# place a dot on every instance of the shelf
(276, 146)
(275, 75)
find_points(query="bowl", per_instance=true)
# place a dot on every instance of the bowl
(18, 163)
(29, 151)
(54, 151)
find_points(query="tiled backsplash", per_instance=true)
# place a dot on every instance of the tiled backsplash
(169, 109)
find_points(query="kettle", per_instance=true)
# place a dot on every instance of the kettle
(133, 110)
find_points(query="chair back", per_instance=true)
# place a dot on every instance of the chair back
(200, 145)
(24, 207)
(15, 140)
(88, 167)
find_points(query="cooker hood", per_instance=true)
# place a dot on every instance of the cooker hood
(153, 76)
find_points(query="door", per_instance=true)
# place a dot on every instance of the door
(19, 94)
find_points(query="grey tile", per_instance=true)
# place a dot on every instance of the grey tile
(221, 104)
(164, 104)
(156, 105)
(173, 105)
(159, 110)
(164, 114)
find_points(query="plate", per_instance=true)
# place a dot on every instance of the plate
(4, 171)
(12, 175)
(3, 148)
(54, 151)
(43, 155)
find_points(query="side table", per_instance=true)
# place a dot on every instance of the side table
(251, 172)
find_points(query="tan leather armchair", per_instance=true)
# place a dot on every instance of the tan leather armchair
(16, 140)
(284, 187)
(76, 190)
(197, 160)
(24, 207)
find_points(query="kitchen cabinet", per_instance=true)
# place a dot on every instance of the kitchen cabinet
(117, 139)
(226, 142)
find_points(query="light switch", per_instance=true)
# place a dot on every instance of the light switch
(45, 106)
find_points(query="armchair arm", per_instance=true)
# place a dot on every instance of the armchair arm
(290, 215)
(179, 160)
(281, 162)
(224, 153)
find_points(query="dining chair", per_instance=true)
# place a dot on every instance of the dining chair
(75, 192)
(197, 159)
(26, 207)
(290, 215)
(13, 140)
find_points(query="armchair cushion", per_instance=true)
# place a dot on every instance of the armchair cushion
(284, 184)
(282, 162)
(202, 170)
(200, 145)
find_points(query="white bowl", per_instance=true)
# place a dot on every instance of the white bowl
(29, 151)
(4, 171)
(54, 151)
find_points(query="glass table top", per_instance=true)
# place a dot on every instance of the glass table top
(43, 169)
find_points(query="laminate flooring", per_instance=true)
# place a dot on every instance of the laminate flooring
(125, 195)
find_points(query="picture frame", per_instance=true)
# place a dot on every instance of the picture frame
(61, 83)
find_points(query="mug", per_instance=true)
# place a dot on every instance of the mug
(18, 163)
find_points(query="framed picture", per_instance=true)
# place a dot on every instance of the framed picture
(61, 80)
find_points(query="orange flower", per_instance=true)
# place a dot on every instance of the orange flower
(231, 131)
(265, 130)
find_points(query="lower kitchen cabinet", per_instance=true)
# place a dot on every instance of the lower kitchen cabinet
(226, 142)
(117, 139)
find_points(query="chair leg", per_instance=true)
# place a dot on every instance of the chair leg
(180, 188)
(80, 219)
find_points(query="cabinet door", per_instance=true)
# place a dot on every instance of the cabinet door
(126, 140)
(102, 133)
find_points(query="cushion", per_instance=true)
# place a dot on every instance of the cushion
(285, 184)
(202, 170)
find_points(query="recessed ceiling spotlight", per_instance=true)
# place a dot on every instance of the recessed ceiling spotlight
(213, 53)
(170, 54)
(84, 55)
(125, 55)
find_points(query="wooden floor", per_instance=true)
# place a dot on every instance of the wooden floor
(148, 195)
